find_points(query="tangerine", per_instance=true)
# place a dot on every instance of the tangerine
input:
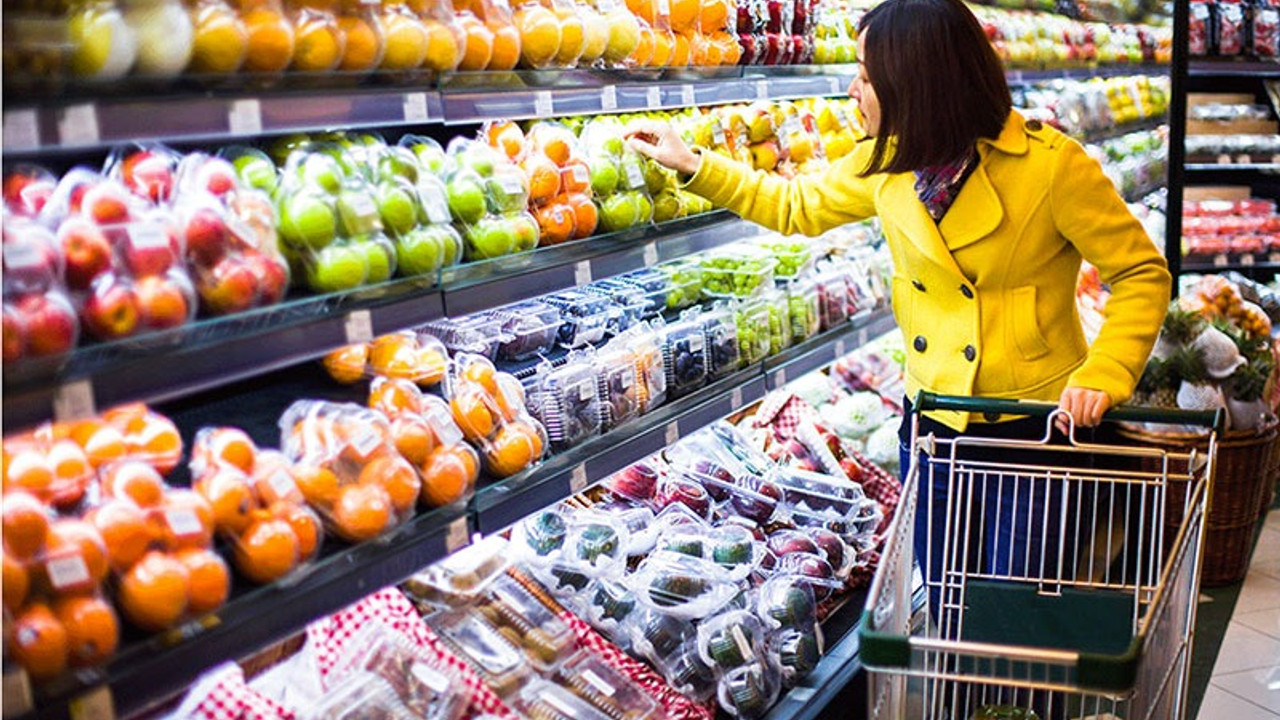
(362, 511)
(93, 632)
(397, 477)
(544, 178)
(513, 449)
(394, 396)
(102, 443)
(184, 520)
(271, 40)
(506, 136)
(273, 479)
(444, 47)
(684, 15)
(232, 446)
(318, 42)
(644, 49)
(447, 475)
(267, 550)
(556, 223)
(318, 485)
(25, 522)
(29, 469)
(680, 51)
(209, 580)
(575, 176)
(69, 463)
(664, 44)
(153, 594)
(129, 418)
(713, 15)
(231, 497)
(124, 529)
(471, 413)
(506, 46)
(585, 214)
(432, 365)
(364, 44)
(39, 642)
(346, 364)
(413, 438)
(730, 50)
(221, 41)
(482, 372)
(306, 527)
(405, 41)
(75, 556)
(15, 584)
(134, 480)
(478, 44)
(395, 355)
(158, 442)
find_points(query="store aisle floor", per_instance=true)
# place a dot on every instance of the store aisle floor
(1245, 684)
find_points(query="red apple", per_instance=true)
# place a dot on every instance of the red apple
(161, 302)
(149, 174)
(86, 251)
(111, 310)
(106, 204)
(217, 176)
(207, 237)
(148, 249)
(230, 287)
(273, 276)
(30, 260)
(26, 190)
(50, 323)
(14, 333)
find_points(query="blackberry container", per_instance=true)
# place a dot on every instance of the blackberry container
(529, 329)
(684, 356)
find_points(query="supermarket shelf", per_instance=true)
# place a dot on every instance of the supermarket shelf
(1140, 192)
(1270, 168)
(150, 672)
(824, 349)
(1143, 125)
(1033, 75)
(1228, 67)
(1231, 261)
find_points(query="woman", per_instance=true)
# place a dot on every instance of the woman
(987, 216)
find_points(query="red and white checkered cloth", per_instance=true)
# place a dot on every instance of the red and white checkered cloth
(229, 697)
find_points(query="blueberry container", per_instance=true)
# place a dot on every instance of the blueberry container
(566, 401)
(528, 328)
(618, 385)
(478, 334)
(684, 356)
(721, 333)
(585, 317)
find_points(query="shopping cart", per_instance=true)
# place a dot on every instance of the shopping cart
(1089, 617)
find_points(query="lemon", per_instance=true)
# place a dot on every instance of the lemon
(104, 45)
(595, 33)
(539, 35)
(221, 40)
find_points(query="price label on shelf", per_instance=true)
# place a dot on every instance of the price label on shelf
(837, 85)
(650, 254)
(1220, 260)
(840, 348)
(415, 107)
(862, 337)
(456, 536)
(664, 7)
(359, 327)
(97, 704)
(653, 97)
(543, 106)
(780, 378)
(578, 479)
(735, 399)
(582, 272)
(1247, 260)
(609, 98)
(245, 117)
(762, 89)
(17, 696)
(673, 433)
(687, 96)
(73, 401)
(21, 130)
(78, 125)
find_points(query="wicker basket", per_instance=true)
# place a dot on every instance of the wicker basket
(1243, 478)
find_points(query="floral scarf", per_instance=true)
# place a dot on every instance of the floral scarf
(938, 185)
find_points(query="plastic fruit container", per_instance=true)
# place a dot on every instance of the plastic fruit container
(731, 640)
(682, 585)
(732, 547)
(630, 303)
(585, 317)
(541, 699)
(605, 688)
(684, 356)
(477, 334)
(749, 691)
(787, 602)
(737, 273)
(489, 408)
(685, 282)
(424, 685)
(637, 482)
(462, 577)
(647, 350)
(721, 332)
(609, 603)
(617, 385)
(530, 329)
(544, 637)
(795, 652)
(541, 536)
(566, 401)
(804, 309)
(502, 666)
(597, 543)
(794, 257)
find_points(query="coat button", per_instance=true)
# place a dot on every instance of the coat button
(970, 352)
(991, 416)
(965, 291)
(918, 285)
(1033, 125)
(919, 343)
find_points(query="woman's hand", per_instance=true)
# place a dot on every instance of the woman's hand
(661, 142)
(1085, 406)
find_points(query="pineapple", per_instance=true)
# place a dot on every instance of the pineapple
(1179, 329)
(1158, 385)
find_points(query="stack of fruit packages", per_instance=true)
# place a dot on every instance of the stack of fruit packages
(490, 410)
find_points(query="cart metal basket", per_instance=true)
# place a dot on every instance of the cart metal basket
(1090, 615)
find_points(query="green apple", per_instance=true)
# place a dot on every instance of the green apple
(450, 242)
(668, 205)
(490, 238)
(526, 231)
(396, 162)
(644, 206)
(419, 251)
(323, 171)
(357, 213)
(618, 212)
(478, 158)
(397, 207)
(307, 220)
(508, 190)
(432, 157)
(282, 148)
(257, 171)
(466, 198)
(336, 268)
(380, 257)
(604, 177)
(656, 177)
(613, 145)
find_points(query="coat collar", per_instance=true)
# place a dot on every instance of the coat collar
(1012, 139)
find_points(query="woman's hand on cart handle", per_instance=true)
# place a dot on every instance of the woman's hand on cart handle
(1085, 406)
(661, 142)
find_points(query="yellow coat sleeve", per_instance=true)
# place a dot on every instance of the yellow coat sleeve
(1092, 216)
(808, 204)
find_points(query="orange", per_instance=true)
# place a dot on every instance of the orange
(102, 443)
(231, 446)
(544, 178)
(184, 520)
(684, 15)
(680, 52)
(471, 413)
(129, 418)
(271, 40)
(363, 44)
(153, 594)
(318, 42)
(93, 632)
(75, 556)
(557, 149)
(346, 364)
(575, 177)
(209, 580)
(69, 463)
(28, 468)
(509, 397)
(124, 529)
(712, 15)
(585, 215)
(539, 35)
(157, 441)
(413, 438)
(556, 223)
(273, 479)
(444, 46)
(305, 525)
(25, 523)
(431, 366)
(404, 41)
(572, 36)
(220, 42)
(362, 512)
(730, 50)
(397, 477)
(506, 46)
(664, 44)
(266, 551)
(229, 493)
(15, 584)
(644, 49)
(482, 372)
(134, 480)
(39, 642)
(515, 448)
(394, 355)
(478, 45)
(318, 485)
(506, 136)
(394, 396)
(362, 441)
(447, 475)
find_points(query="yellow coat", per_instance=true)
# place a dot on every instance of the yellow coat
(986, 298)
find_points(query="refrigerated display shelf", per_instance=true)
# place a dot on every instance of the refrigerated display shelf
(1231, 261)
(1216, 168)
(1232, 67)
(1098, 136)
(162, 366)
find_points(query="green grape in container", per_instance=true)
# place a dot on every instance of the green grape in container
(754, 339)
(685, 279)
(802, 301)
(778, 306)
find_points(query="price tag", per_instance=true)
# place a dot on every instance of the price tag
(78, 125)
(67, 572)
(415, 107)
(717, 132)
(437, 207)
(183, 521)
(580, 173)
(744, 647)
(585, 391)
(673, 433)
(283, 484)
(735, 399)
(1247, 260)
(780, 377)
(837, 86)
(862, 337)
(609, 98)
(144, 236)
(582, 272)
(664, 7)
(433, 680)
(543, 106)
(21, 130)
(578, 480)
(456, 536)
(840, 348)
(366, 441)
(21, 255)
(245, 117)
(650, 254)
(97, 704)
(635, 176)
(17, 696)
(687, 95)
(1220, 260)
(359, 327)
(762, 89)
(73, 401)
(598, 683)
(653, 97)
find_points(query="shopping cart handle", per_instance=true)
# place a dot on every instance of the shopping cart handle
(1215, 419)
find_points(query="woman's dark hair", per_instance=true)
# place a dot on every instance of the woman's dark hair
(940, 84)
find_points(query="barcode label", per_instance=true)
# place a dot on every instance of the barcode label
(366, 441)
(21, 130)
(245, 117)
(146, 235)
(359, 327)
(183, 522)
(67, 572)
(837, 87)
(436, 206)
(585, 391)
(415, 107)
(580, 174)
(21, 254)
(635, 176)
(78, 125)
(609, 98)
(282, 484)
